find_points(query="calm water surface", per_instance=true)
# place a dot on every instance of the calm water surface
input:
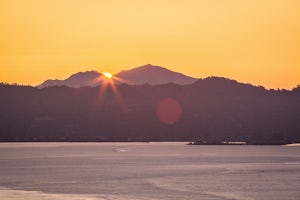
(114, 171)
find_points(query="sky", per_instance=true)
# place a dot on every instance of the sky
(252, 41)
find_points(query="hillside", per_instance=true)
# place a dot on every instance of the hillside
(153, 75)
(80, 79)
(215, 109)
(147, 74)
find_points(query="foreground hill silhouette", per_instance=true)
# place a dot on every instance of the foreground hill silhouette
(213, 109)
(146, 74)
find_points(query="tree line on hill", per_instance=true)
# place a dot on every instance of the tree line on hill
(212, 109)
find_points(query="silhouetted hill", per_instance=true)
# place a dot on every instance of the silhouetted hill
(51, 83)
(153, 75)
(296, 90)
(227, 86)
(80, 79)
(212, 109)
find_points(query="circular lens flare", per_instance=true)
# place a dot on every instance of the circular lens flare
(168, 110)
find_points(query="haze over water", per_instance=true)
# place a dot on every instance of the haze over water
(94, 171)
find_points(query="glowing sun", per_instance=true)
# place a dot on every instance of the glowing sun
(107, 75)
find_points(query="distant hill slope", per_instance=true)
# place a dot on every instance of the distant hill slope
(153, 75)
(80, 79)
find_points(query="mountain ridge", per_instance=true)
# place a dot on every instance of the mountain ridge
(151, 74)
(145, 74)
(156, 75)
(75, 80)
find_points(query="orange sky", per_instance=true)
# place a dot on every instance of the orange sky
(253, 41)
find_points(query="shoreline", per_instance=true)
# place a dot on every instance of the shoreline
(204, 143)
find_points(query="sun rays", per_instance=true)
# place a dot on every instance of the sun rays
(109, 82)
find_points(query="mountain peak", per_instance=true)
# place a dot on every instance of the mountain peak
(151, 66)
(91, 73)
(153, 75)
(79, 79)
(150, 74)
(145, 67)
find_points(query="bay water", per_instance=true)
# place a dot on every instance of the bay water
(162, 170)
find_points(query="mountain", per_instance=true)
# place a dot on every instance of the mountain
(80, 79)
(153, 75)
